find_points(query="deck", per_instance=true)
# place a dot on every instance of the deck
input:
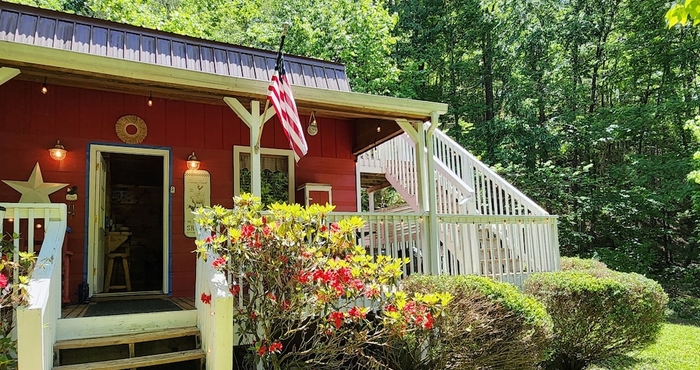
(108, 306)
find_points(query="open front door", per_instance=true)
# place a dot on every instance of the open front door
(99, 221)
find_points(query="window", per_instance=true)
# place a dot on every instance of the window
(277, 176)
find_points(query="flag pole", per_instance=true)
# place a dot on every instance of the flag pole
(277, 66)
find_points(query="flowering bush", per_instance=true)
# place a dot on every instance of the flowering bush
(308, 296)
(12, 295)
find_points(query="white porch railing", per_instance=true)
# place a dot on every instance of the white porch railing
(215, 319)
(36, 323)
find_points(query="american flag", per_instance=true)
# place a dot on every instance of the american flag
(280, 95)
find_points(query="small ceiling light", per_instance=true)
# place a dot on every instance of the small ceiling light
(192, 162)
(313, 126)
(58, 152)
(44, 89)
(379, 127)
(150, 99)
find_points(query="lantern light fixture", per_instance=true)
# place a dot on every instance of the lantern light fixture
(379, 127)
(192, 162)
(150, 99)
(44, 89)
(313, 125)
(58, 152)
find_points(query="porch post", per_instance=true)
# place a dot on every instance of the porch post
(255, 121)
(434, 232)
(7, 74)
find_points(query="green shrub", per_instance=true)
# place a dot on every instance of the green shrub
(487, 325)
(575, 263)
(598, 313)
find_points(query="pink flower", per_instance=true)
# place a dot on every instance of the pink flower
(218, 262)
(206, 298)
(209, 239)
(3, 281)
(334, 227)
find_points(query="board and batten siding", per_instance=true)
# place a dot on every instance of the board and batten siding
(30, 123)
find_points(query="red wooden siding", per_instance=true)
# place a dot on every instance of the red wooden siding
(30, 123)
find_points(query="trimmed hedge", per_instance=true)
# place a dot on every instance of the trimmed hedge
(488, 325)
(597, 313)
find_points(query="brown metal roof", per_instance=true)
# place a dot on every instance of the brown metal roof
(33, 26)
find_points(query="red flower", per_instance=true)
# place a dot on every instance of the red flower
(337, 318)
(275, 347)
(262, 350)
(235, 289)
(323, 228)
(206, 298)
(247, 230)
(218, 262)
(334, 227)
(264, 220)
(266, 230)
(428, 324)
(371, 292)
(390, 308)
(3, 280)
(357, 312)
(304, 277)
(285, 305)
(272, 297)
(209, 239)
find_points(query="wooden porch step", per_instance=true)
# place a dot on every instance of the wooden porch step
(126, 339)
(136, 362)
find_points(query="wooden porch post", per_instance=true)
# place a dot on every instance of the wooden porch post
(423, 174)
(255, 121)
(433, 231)
(7, 74)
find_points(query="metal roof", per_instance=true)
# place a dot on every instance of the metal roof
(33, 26)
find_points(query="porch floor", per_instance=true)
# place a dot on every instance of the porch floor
(126, 305)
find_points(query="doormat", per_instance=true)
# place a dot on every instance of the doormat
(124, 307)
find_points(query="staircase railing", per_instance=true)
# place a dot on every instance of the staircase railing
(214, 319)
(36, 322)
(493, 194)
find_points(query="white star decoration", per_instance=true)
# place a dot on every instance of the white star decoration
(35, 190)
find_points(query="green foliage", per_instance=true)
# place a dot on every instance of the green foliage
(686, 308)
(489, 325)
(679, 13)
(598, 313)
(12, 295)
(309, 296)
(576, 263)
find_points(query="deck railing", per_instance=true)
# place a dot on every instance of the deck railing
(493, 194)
(36, 323)
(214, 319)
(505, 248)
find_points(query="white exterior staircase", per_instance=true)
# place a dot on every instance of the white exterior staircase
(487, 226)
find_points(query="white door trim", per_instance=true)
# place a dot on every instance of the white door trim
(94, 150)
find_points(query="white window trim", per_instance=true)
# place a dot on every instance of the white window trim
(237, 150)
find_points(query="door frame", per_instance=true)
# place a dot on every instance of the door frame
(94, 150)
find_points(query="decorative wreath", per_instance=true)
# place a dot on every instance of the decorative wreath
(130, 120)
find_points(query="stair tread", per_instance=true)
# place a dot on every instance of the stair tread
(126, 338)
(134, 362)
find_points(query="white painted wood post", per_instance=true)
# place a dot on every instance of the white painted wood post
(434, 237)
(255, 121)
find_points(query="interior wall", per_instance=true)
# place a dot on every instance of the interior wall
(31, 122)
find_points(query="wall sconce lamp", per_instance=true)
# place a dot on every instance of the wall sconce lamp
(58, 152)
(150, 99)
(379, 127)
(192, 162)
(313, 126)
(44, 89)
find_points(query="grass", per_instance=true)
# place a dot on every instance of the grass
(678, 348)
